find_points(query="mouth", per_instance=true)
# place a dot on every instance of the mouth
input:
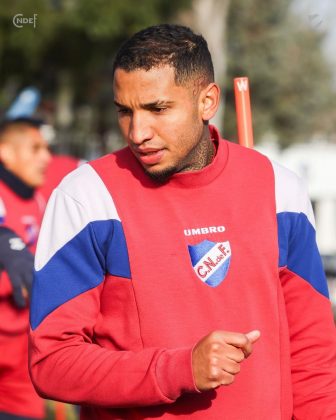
(150, 156)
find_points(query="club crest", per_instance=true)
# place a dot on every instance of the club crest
(210, 261)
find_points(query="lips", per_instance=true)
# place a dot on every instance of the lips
(150, 156)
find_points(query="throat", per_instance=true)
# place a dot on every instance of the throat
(202, 155)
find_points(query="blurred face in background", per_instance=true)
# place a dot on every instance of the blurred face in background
(24, 152)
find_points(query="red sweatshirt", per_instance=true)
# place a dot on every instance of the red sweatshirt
(21, 211)
(131, 274)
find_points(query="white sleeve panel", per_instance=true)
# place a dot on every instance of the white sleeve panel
(2, 209)
(291, 193)
(80, 198)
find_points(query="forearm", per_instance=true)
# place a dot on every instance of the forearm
(313, 349)
(63, 353)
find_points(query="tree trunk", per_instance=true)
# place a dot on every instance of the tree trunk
(209, 17)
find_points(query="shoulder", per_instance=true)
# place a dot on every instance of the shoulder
(246, 153)
(291, 192)
(251, 164)
(85, 189)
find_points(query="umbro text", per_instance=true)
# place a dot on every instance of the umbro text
(203, 230)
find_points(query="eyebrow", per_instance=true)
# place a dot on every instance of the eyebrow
(149, 105)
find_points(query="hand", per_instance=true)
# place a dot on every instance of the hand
(18, 262)
(216, 358)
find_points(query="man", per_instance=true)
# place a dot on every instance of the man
(24, 157)
(180, 276)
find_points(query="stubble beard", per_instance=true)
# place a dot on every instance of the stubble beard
(200, 156)
(162, 176)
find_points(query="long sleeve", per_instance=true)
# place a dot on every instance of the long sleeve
(80, 248)
(310, 321)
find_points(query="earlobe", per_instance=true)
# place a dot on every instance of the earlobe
(210, 101)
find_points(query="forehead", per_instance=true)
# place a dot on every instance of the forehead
(146, 85)
(23, 136)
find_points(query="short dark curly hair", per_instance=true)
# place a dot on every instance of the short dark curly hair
(165, 44)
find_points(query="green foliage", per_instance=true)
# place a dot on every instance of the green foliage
(290, 81)
(74, 36)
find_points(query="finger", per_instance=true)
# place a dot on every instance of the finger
(28, 283)
(235, 339)
(253, 336)
(227, 378)
(25, 292)
(235, 354)
(18, 297)
(220, 377)
(231, 367)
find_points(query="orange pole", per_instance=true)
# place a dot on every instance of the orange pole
(243, 111)
(60, 411)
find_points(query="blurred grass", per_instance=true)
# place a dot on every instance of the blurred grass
(71, 412)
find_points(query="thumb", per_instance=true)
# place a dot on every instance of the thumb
(253, 336)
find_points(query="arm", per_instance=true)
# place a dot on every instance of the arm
(18, 262)
(310, 321)
(71, 267)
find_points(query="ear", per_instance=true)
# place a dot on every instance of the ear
(209, 101)
(7, 153)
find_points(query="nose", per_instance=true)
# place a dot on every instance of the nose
(45, 155)
(140, 129)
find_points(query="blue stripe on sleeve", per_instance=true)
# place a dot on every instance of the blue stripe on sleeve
(79, 266)
(298, 249)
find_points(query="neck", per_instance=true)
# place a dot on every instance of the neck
(15, 184)
(203, 154)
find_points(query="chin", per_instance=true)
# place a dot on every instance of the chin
(36, 183)
(162, 175)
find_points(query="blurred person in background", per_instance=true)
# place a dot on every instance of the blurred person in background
(24, 157)
(27, 106)
(180, 276)
(59, 166)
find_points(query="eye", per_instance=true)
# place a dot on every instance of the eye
(124, 111)
(159, 109)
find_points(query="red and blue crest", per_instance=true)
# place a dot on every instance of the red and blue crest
(210, 261)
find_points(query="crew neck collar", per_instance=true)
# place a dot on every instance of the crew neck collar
(16, 184)
(207, 174)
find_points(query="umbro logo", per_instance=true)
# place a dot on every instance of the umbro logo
(203, 230)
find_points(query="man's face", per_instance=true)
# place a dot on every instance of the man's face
(161, 122)
(25, 153)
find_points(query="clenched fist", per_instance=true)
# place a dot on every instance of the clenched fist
(216, 358)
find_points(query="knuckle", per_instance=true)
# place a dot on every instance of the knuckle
(214, 373)
(228, 379)
(214, 361)
(215, 335)
(214, 347)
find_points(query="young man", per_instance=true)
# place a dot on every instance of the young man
(24, 157)
(179, 277)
